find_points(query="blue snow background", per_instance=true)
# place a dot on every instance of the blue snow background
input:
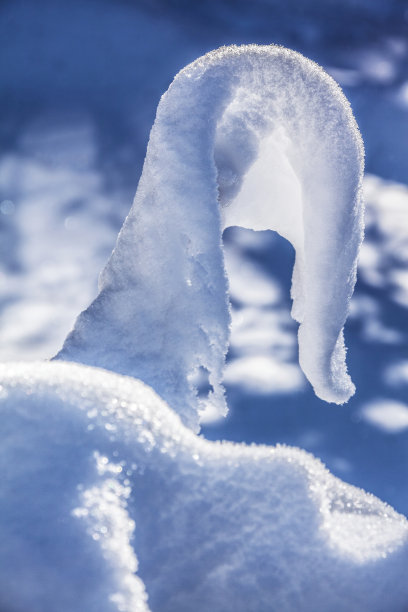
(79, 87)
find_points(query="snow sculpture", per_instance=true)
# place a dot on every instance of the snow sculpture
(256, 136)
(102, 480)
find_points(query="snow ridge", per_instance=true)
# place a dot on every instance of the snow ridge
(256, 136)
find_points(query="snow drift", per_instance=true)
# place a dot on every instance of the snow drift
(102, 480)
(111, 502)
(253, 136)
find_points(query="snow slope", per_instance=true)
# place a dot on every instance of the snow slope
(101, 471)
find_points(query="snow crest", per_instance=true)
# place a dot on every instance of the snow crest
(255, 136)
(109, 499)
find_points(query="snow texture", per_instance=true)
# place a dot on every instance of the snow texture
(256, 136)
(99, 470)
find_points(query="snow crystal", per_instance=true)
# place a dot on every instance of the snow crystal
(256, 136)
(86, 505)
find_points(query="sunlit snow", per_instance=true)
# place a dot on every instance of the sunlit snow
(98, 516)
(114, 484)
(389, 415)
(288, 156)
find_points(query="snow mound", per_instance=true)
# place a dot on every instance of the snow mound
(102, 480)
(256, 136)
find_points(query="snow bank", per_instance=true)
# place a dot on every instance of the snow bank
(253, 136)
(57, 194)
(101, 479)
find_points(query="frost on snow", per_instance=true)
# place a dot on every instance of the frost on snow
(258, 137)
(108, 498)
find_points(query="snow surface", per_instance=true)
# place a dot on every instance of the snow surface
(288, 156)
(80, 85)
(102, 471)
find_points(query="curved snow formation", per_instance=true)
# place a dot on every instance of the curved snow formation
(107, 499)
(256, 136)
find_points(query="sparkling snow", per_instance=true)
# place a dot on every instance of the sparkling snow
(102, 471)
(80, 85)
(262, 113)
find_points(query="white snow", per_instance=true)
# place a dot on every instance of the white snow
(56, 195)
(74, 125)
(384, 262)
(288, 157)
(247, 283)
(264, 374)
(101, 479)
(389, 415)
(396, 374)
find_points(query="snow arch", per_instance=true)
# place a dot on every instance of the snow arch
(256, 136)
